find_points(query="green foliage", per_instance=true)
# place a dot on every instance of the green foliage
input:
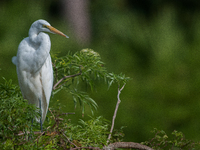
(91, 133)
(162, 141)
(60, 133)
(83, 99)
(16, 114)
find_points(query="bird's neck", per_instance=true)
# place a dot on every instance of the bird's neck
(33, 35)
(39, 39)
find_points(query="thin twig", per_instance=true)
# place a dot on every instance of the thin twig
(38, 137)
(52, 114)
(50, 140)
(23, 142)
(85, 148)
(69, 140)
(115, 113)
(66, 114)
(28, 132)
(65, 77)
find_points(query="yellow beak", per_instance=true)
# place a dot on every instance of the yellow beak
(54, 30)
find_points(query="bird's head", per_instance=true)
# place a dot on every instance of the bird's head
(44, 26)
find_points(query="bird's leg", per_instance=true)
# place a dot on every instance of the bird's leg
(30, 135)
(32, 123)
(40, 114)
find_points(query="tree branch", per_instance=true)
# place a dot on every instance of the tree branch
(115, 113)
(85, 148)
(68, 139)
(66, 114)
(127, 145)
(65, 77)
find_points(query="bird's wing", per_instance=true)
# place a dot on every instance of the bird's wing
(47, 84)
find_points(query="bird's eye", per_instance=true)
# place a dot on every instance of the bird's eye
(45, 26)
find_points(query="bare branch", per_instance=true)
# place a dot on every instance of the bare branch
(23, 133)
(28, 132)
(85, 148)
(65, 77)
(115, 113)
(127, 145)
(66, 114)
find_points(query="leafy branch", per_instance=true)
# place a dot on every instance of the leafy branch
(82, 67)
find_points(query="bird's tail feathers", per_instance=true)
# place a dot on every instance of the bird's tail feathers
(14, 60)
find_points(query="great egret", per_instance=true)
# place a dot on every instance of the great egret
(34, 66)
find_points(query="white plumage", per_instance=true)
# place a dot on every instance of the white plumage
(34, 66)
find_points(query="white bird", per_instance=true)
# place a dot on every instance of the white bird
(34, 66)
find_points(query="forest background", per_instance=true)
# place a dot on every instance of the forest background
(155, 42)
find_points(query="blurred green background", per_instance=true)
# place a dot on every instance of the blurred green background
(155, 42)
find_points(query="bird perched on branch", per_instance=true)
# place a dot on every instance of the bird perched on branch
(34, 66)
